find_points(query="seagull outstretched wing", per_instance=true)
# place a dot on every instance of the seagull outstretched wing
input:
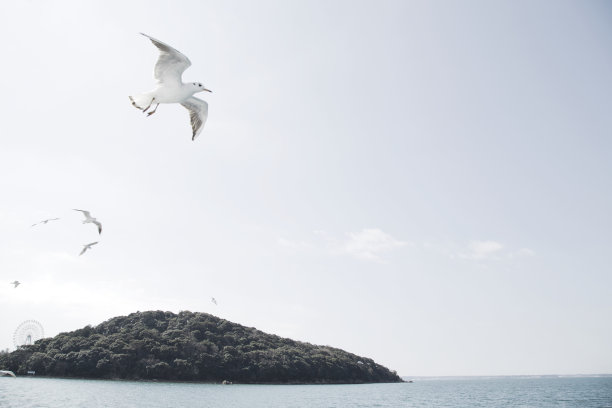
(85, 213)
(198, 112)
(171, 63)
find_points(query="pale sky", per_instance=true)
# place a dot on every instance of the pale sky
(425, 183)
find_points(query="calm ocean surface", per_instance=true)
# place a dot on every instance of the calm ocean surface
(475, 392)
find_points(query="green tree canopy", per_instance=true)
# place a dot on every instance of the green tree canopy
(191, 347)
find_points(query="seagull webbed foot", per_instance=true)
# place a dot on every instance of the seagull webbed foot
(153, 111)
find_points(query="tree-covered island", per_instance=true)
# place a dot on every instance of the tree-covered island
(189, 347)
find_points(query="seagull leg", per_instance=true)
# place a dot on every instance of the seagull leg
(153, 111)
(147, 108)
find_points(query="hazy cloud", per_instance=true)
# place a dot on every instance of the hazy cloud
(295, 245)
(482, 250)
(368, 244)
(491, 250)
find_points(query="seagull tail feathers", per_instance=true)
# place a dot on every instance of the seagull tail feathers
(141, 101)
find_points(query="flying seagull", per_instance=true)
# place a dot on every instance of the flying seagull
(45, 221)
(87, 246)
(15, 283)
(170, 87)
(213, 300)
(89, 218)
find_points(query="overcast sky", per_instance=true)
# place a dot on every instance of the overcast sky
(426, 183)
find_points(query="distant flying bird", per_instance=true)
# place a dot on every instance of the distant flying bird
(15, 283)
(89, 218)
(87, 246)
(170, 87)
(45, 221)
(213, 300)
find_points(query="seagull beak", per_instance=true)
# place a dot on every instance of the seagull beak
(207, 90)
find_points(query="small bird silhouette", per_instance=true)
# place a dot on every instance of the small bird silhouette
(45, 221)
(89, 218)
(87, 246)
(15, 283)
(213, 300)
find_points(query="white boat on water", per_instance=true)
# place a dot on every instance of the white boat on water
(7, 373)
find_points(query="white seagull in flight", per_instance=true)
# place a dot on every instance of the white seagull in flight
(170, 87)
(213, 300)
(15, 283)
(87, 246)
(45, 221)
(89, 218)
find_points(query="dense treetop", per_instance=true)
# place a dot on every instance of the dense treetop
(191, 347)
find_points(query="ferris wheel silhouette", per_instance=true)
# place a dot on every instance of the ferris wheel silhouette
(27, 333)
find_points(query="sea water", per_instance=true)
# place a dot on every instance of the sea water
(583, 392)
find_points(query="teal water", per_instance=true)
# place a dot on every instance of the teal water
(585, 392)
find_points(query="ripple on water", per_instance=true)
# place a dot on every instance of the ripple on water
(491, 393)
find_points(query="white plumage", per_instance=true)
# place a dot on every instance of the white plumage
(90, 219)
(168, 72)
